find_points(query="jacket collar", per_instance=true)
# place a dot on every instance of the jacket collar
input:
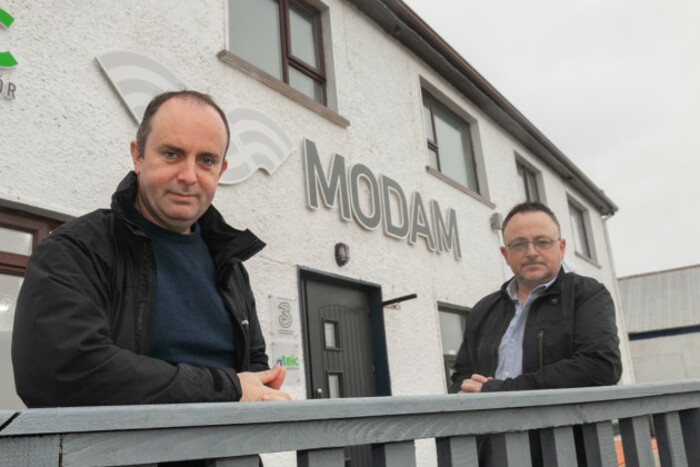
(224, 241)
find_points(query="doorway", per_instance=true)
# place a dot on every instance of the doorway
(344, 342)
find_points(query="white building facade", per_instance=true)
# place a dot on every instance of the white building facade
(366, 130)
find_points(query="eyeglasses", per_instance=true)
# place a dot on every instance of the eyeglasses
(540, 244)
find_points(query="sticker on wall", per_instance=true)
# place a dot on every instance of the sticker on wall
(287, 354)
(7, 60)
(137, 79)
(281, 315)
(257, 142)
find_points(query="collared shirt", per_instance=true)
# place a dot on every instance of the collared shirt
(510, 351)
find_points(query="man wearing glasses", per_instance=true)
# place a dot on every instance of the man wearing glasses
(545, 328)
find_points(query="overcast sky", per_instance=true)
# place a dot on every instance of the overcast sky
(616, 86)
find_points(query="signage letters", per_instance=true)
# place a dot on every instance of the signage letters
(8, 89)
(345, 186)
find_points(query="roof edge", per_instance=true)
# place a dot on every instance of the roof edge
(655, 273)
(399, 21)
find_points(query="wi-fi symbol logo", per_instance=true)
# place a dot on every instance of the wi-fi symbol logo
(257, 142)
(137, 79)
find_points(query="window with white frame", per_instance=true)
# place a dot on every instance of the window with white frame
(281, 38)
(450, 148)
(19, 234)
(581, 230)
(527, 183)
(453, 321)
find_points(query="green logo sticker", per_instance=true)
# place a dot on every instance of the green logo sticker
(290, 361)
(6, 58)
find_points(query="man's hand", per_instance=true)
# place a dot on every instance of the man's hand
(263, 385)
(473, 384)
(280, 373)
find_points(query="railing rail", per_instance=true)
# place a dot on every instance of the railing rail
(232, 434)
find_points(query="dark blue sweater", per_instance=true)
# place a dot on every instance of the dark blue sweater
(190, 322)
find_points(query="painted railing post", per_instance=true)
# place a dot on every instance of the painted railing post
(669, 437)
(558, 446)
(401, 454)
(636, 441)
(511, 449)
(322, 458)
(690, 422)
(457, 451)
(599, 442)
(247, 461)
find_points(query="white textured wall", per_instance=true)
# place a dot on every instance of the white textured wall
(65, 147)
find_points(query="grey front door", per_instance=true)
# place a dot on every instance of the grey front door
(340, 349)
(340, 340)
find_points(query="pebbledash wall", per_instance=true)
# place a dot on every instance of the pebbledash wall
(66, 133)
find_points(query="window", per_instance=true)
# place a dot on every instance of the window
(331, 336)
(453, 321)
(528, 184)
(19, 234)
(579, 227)
(282, 38)
(450, 149)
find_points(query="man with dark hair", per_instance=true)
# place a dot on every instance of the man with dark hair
(544, 328)
(530, 207)
(149, 301)
(153, 106)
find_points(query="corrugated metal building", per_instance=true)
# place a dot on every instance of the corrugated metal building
(662, 311)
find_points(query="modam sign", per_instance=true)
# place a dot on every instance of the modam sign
(344, 186)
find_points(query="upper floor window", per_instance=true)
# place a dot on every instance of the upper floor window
(580, 228)
(528, 184)
(450, 148)
(282, 38)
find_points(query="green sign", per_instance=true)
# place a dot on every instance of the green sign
(290, 361)
(6, 58)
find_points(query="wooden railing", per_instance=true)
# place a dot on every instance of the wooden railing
(233, 434)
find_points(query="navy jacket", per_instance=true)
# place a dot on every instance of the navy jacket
(82, 326)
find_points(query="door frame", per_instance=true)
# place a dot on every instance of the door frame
(376, 316)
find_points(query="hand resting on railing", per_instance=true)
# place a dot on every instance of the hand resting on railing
(473, 384)
(263, 385)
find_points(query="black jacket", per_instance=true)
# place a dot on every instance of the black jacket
(82, 328)
(570, 338)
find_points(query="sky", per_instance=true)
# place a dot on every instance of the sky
(615, 85)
